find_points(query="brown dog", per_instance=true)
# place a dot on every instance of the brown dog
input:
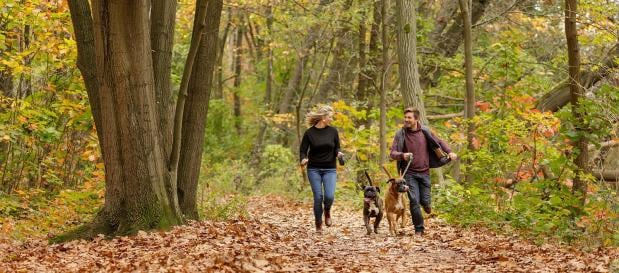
(395, 205)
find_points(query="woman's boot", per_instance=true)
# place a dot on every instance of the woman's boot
(328, 218)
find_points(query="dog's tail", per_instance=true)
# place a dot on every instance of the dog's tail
(368, 176)
(387, 172)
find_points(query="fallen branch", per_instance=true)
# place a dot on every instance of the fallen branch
(445, 116)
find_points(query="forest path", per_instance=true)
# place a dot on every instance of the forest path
(279, 237)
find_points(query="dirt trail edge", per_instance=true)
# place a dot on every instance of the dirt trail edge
(279, 237)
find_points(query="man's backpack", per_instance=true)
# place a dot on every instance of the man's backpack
(438, 157)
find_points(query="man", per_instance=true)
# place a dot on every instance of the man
(411, 142)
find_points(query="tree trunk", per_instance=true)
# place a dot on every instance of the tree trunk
(258, 146)
(470, 92)
(362, 80)
(560, 95)
(163, 15)
(138, 193)
(383, 92)
(577, 93)
(373, 60)
(238, 59)
(86, 60)
(293, 85)
(219, 90)
(407, 56)
(196, 110)
(269, 80)
(447, 37)
(295, 79)
(136, 197)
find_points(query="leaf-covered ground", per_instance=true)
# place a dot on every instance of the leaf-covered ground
(279, 237)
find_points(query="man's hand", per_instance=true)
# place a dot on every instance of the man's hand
(340, 154)
(407, 156)
(453, 156)
(304, 162)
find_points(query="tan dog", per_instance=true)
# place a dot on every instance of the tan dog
(395, 204)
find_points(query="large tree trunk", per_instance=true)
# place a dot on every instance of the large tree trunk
(470, 92)
(407, 55)
(136, 197)
(196, 110)
(577, 93)
(118, 69)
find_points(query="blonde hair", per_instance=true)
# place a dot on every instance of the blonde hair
(319, 112)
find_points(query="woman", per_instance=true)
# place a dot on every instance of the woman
(319, 149)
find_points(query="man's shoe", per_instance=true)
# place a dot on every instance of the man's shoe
(427, 209)
(328, 218)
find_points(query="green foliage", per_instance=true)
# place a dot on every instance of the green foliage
(36, 212)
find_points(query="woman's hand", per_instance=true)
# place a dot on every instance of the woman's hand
(453, 156)
(304, 162)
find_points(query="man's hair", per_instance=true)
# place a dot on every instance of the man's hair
(415, 112)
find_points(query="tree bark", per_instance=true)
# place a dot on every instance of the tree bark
(196, 111)
(362, 80)
(383, 100)
(407, 56)
(136, 197)
(163, 16)
(86, 59)
(219, 90)
(238, 59)
(576, 93)
(470, 92)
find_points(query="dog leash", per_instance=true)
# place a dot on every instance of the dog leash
(410, 160)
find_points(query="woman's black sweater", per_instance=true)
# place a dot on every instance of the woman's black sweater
(320, 146)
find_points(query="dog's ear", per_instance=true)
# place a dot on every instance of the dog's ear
(390, 180)
(377, 189)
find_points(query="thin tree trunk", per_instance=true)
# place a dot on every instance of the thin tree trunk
(258, 146)
(385, 68)
(163, 17)
(446, 38)
(577, 94)
(219, 90)
(238, 59)
(196, 110)
(362, 81)
(295, 79)
(86, 60)
(373, 60)
(470, 92)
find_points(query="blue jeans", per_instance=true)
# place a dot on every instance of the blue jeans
(418, 194)
(318, 179)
